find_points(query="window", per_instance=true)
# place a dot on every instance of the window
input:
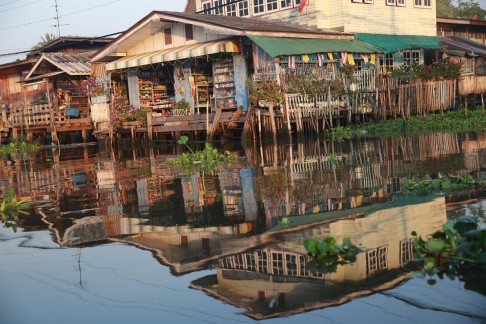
(411, 56)
(377, 259)
(168, 36)
(297, 3)
(390, 2)
(272, 5)
(291, 264)
(386, 62)
(231, 8)
(368, 1)
(277, 263)
(401, 3)
(218, 7)
(189, 32)
(285, 4)
(243, 8)
(406, 250)
(258, 6)
(262, 262)
(206, 6)
(423, 3)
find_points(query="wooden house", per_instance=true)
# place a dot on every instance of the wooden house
(205, 60)
(472, 29)
(404, 29)
(472, 57)
(35, 91)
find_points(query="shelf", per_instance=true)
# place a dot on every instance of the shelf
(226, 97)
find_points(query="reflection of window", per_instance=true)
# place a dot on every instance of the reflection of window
(243, 8)
(168, 36)
(377, 259)
(250, 262)
(239, 262)
(406, 250)
(291, 264)
(277, 263)
(262, 262)
(258, 6)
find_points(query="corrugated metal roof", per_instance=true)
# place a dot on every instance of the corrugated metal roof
(249, 24)
(395, 43)
(463, 44)
(276, 46)
(176, 53)
(42, 76)
(71, 63)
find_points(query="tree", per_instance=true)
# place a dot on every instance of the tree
(46, 39)
(445, 9)
(470, 9)
(466, 9)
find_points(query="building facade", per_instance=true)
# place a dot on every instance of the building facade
(394, 17)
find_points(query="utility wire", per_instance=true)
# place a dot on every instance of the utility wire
(4, 4)
(21, 6)
(72, 43)
(53, 18)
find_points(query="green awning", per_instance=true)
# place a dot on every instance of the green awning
(277, 46)
(456, 53)
(395, 43)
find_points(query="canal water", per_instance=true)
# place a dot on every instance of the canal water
(118, 237)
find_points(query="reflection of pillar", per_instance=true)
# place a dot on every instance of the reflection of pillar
(249, 202)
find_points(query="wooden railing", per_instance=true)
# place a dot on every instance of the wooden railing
(33, 116)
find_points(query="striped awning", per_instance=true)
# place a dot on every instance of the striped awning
(176, 53)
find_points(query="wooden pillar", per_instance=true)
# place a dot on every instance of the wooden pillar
(149, 125)
(84, 136)
(272, 123)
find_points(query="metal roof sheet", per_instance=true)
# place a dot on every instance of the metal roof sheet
(276, 46)
(463, 44)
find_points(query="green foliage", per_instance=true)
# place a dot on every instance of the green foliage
(207, 160)
(18, 147)
(266, 90)
(450, 121)
(327, 254)
(460, 248)
(183, 104)
(340, 133)
(466, 9)
(10, 208)
(312, 85)
(46, 39)
(462, 182)
(436, 71)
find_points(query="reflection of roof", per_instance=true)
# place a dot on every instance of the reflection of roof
(463, 44)
(316, 295)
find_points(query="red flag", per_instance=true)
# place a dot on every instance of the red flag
(303, 3)
(475, 17)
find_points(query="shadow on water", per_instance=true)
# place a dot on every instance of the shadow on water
(247, 222)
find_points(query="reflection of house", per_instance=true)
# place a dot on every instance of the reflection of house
(273, 281)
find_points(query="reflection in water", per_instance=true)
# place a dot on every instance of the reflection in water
(232, 218)
(274, 280)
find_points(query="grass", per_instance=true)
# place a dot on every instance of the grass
(18, 147)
